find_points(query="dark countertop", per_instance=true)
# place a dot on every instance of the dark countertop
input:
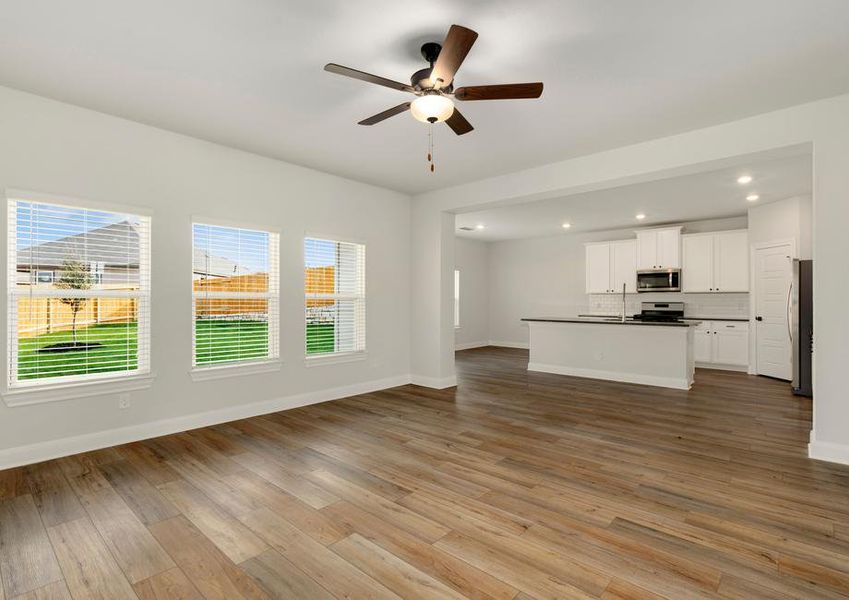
(716, 318)
(608, 321)
(687, 318)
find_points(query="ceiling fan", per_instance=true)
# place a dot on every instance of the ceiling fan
(434, 85)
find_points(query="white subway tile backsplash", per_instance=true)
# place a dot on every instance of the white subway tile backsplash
(697, 305)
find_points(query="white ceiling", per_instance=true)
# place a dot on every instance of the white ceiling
(707, 195)
(248, 74)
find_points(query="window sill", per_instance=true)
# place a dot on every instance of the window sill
(235, 370)
(41, 394)
(335, 358)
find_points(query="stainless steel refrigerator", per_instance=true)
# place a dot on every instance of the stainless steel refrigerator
(801, 311)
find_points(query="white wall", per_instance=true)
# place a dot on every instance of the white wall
(782, 220)
(546, 276)
(56, 148)
(822, 125)
(471, 257)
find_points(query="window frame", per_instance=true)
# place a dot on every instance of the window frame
(271, 363)
(344, 356)
(53, 389)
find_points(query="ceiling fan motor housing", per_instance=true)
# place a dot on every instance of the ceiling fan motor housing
(421, 78)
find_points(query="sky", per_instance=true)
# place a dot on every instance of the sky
(245, 247)
(38, 223)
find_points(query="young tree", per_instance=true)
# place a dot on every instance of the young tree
(75, 276)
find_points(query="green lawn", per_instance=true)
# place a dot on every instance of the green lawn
(320, 338)
(217, 341)
(118, 352)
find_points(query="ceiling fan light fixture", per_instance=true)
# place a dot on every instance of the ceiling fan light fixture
(432, 108)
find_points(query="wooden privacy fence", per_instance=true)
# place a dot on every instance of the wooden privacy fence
(39, 315)
(211, 308)
(320, 280)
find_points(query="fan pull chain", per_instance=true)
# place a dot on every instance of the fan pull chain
(430, 147)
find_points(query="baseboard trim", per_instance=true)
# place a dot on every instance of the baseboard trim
(470, 345)
(722, 367)
(33, 453)
(667, 382)
(828, 451)
(500, 344)
(433, 382)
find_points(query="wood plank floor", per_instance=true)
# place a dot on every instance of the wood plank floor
(514, 485)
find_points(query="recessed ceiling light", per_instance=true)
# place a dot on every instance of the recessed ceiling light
(640, 217)
(566, 225)
(744, 179)
(752, 197)
(480, 226)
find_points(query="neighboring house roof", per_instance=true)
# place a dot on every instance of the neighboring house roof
(114, 245)
(216, 266)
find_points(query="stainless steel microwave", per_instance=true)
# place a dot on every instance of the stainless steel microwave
(659, 280)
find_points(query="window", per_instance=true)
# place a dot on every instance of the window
(335, 289)
(235, 295)
(42, 277)
(66, 324)
(456, 298)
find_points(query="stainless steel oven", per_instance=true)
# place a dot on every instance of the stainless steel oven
(659, 280)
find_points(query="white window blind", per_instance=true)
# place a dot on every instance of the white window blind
(456, 297)
(79, 294)
(335, 290)
(236, 294)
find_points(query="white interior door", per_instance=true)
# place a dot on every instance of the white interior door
(773, 274)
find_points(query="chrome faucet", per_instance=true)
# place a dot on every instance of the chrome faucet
(623, 302)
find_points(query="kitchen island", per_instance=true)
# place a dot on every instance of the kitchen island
(633, 351)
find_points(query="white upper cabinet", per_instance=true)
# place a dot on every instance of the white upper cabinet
(624, 266)
(598, 268)
(716, 262)
(610, 265)
(669, 248)
(697, 274)
(647, 249)
(731, 261)
(659, 248)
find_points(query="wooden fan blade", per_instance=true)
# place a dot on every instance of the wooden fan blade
(391, 112)
(458, 123)
(456, 46)
(367, 77)
(499, 92)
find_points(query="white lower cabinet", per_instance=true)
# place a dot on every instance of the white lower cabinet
(703, 343)
(720, 344)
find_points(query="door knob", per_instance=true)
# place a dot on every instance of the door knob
(759, 318)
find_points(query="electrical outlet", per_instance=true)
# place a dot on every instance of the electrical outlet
(123, 401)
